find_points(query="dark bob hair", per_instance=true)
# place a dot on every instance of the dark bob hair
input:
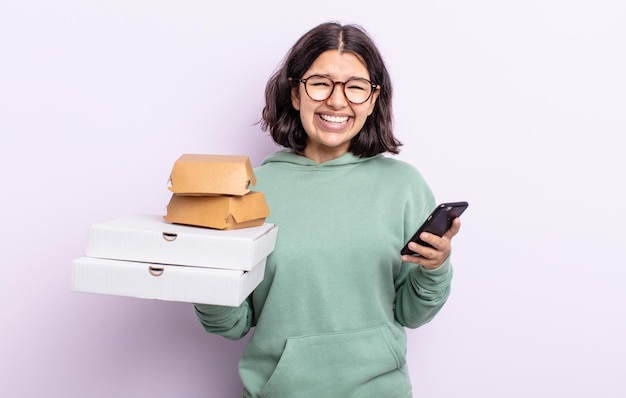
(283, 121)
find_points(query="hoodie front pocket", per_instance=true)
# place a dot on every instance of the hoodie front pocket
(339, 365)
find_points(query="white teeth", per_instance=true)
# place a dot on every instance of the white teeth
(334, 119)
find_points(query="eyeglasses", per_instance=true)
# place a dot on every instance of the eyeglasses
(320, 88)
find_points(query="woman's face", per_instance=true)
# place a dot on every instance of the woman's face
(331, 124)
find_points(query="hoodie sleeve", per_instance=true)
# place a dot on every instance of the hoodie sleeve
(421, 293)
(230, 322)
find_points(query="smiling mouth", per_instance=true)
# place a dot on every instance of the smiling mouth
(334, 119)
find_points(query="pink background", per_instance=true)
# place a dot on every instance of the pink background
(516, 107)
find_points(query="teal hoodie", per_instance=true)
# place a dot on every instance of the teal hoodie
(329, 317)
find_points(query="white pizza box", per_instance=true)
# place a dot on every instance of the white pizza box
(149, 238)
(165, 282)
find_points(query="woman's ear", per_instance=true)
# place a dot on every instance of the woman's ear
(295, 97)
(375, 95)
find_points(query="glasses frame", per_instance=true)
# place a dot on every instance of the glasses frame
(373, 87)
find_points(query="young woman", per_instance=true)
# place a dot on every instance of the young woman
(329, 318)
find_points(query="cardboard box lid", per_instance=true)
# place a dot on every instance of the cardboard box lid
(165, 282)
(200, 174)
(148, 238)
(219, 212)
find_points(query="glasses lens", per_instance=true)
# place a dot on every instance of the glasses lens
(357, 90)
(319, 87)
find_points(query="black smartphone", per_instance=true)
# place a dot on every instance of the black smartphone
(438, 222)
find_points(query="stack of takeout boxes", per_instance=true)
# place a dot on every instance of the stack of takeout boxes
(209, 248)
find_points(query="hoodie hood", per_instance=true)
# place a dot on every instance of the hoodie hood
(288, 157)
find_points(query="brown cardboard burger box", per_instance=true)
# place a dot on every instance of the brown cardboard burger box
(219, 212)
(200, 174)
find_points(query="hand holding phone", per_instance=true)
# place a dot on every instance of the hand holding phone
(437, 223)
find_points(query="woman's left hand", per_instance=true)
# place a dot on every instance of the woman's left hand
(431, 258)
